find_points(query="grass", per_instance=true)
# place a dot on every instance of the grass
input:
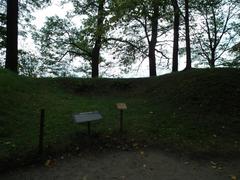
(194, 112)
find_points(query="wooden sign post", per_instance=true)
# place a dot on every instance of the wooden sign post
(121, 107)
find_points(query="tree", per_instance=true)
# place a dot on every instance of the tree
(3, 22)
(126, 29)
(25, 8)
(216, 32)
(12, 36)
(62, 41)
(176, 24)
(153, 41)
(59, 43)
(95, 26)
(142, 29)
(187, 37)
(98, 38)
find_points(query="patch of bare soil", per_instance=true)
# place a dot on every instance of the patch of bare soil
(150, 164)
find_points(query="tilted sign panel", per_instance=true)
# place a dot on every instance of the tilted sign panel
(87, 116)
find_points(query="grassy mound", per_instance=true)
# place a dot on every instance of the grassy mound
(195, 111)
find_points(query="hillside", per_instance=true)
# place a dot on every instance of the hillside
(195, 112)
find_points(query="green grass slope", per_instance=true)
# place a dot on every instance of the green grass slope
(195, 112)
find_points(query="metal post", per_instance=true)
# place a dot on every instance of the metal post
(41, 131)
(89, 128)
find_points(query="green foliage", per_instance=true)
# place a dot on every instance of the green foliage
(75, 42)
(26, 8)
(134, 23)
(122, 33)
(195, 112)
(60, 42)
(125, 34)
(29, 64)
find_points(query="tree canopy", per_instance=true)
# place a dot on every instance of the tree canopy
(96, 36)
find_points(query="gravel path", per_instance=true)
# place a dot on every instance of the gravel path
(130, 165)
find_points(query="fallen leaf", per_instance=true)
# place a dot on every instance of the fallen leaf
(50, 163)
(233, 177)
(47, 162)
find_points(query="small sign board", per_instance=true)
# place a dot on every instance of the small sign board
(121, 106)
(86, 117)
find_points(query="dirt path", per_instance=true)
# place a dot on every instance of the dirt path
(130, 165)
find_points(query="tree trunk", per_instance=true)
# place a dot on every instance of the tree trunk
(98, 40)
(153, 42)
(188, 47)
(152, 60)
(95, 59)
(212, 65)
(212, 60)
(176, 35)
(12, 36)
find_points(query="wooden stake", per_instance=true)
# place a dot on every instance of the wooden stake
(121, 121)
(41, 131)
